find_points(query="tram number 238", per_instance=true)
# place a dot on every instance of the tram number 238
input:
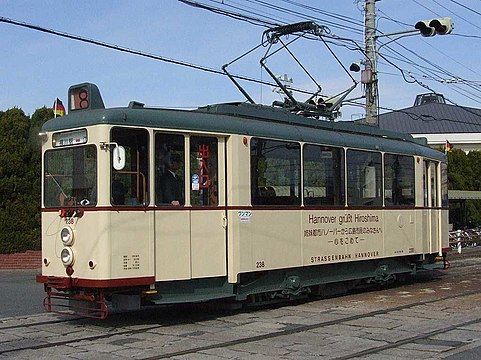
(260, 264)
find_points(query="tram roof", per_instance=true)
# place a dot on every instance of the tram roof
(252, 120)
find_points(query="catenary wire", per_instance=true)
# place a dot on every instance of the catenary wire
(137, 52)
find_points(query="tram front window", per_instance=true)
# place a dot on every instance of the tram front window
(70, 177)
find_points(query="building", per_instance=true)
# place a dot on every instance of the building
(438, 122)
(430, 117)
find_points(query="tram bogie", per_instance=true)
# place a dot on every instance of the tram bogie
(237, 202)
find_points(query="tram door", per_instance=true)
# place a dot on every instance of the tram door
(431, 206)
(190, 234)
(208, 232)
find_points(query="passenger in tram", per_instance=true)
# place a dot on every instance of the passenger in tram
(170, 183)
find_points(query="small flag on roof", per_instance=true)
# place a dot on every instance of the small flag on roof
(58, 108)
(448, 147)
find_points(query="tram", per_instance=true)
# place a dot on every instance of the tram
(268, 205)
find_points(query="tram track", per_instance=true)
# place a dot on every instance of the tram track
(304, 328)
(70, 341)
(409, 340)
(40, 323)
(116, 326)
(291, 330)
(461, 270)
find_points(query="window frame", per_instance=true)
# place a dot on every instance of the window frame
(359, 183)
(334, 185)
(265, 190)
(65, 199)
(141, 178)
(405, 176)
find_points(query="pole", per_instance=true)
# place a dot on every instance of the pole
(370, 73)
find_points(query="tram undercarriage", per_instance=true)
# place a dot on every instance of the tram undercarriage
(253, 289)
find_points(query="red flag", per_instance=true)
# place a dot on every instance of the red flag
(58, 108)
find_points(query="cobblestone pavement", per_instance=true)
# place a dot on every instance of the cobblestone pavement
(437, 316)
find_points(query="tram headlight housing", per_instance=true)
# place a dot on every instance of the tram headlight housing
(67, 236)
(67, 256)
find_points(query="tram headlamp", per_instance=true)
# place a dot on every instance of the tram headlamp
(66, 235)
(67, 256)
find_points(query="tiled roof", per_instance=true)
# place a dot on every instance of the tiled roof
(432, 118)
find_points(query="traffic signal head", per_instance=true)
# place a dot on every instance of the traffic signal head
(425, 28)
(441, 26)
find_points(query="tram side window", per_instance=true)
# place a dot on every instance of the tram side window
(323, 175)
(169, 169)
(425, 182)
(129, 186)
(275, 172)
(203, 171)
(70, 177)
(434, 184)
(364, 178)
(430, 183)
(444, 185)
(398, 180)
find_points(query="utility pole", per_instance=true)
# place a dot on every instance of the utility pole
(369, 75)
(440, 26)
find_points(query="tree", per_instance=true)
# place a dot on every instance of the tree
(464, 173)
(20, 180)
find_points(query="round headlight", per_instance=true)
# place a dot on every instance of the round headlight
(66, 234)
(67, 256)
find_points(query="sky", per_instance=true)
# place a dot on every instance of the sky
(37, 67)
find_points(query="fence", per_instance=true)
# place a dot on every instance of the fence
(465, 238)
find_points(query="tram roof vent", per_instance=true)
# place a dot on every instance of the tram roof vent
(136, 105)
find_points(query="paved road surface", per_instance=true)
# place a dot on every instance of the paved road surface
(19, 293)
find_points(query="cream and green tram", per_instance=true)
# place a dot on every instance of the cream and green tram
(268, 205)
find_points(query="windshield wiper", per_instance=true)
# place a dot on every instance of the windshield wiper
(58, 185)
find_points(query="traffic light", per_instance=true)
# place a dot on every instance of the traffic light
(424, 28)
(441, 26)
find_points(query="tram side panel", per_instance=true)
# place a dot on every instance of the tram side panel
(400, 233)
(269, 239)
(172, 245)
(238, 201)
(131, 238)
(208, 245)
(332, 236)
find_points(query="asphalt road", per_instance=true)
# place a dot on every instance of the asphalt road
(19, 293)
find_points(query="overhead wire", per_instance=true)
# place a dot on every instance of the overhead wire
(409, 77)
(330, 39)
(456, 14)
(330, 23)
(466, 7)
(135, 52)
(237, 16)
(434, 71)
(446, 55)
(431, 71)
(259, 17)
